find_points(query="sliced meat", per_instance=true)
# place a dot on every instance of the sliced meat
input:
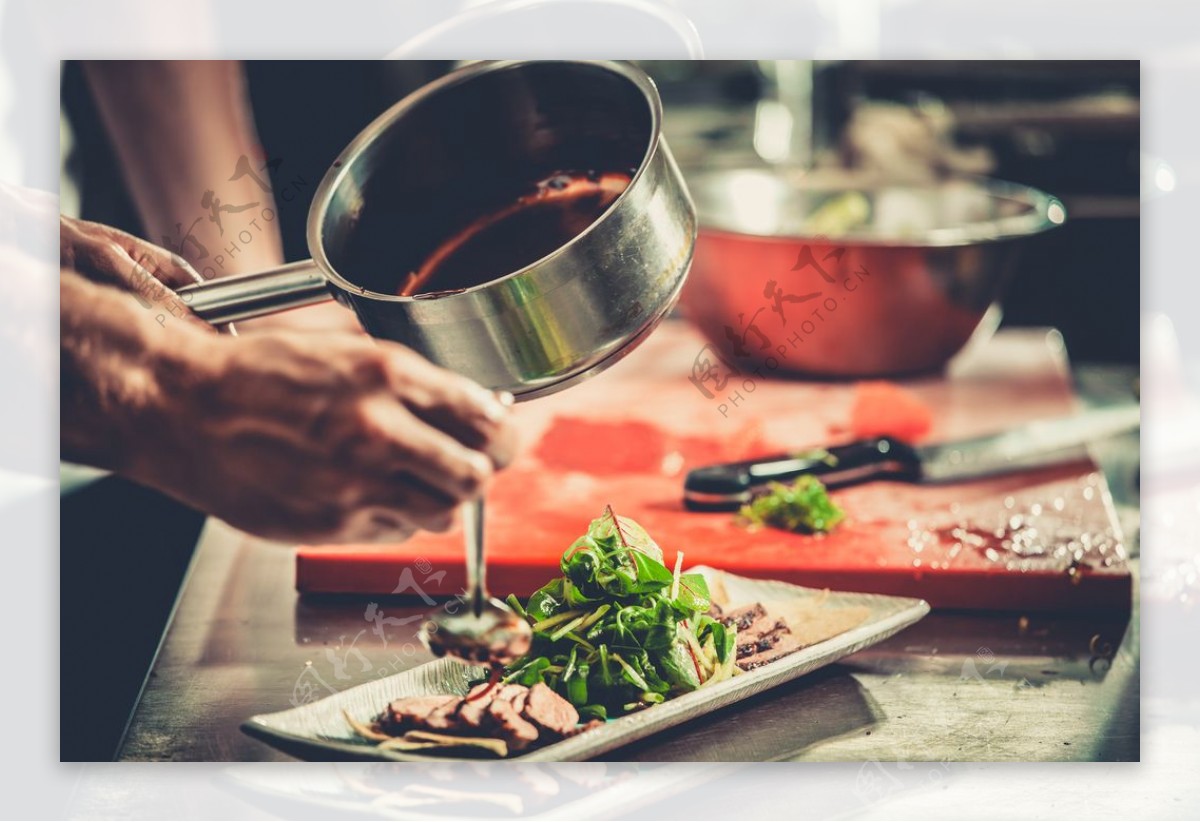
(805, 629)
(514, 729)
(763, 635)
(474, 707)
(512, 693)
(763, 625)
(478, 691)
(518, 701)
(757, 646)
(753, 662)
(783, 645)
(517, 715)
(411, 711)
(742, 618)
(444, 717)
(549, 711)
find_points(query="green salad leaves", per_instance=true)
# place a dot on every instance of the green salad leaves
(619, 630)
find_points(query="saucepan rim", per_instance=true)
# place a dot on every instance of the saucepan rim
(347, 159)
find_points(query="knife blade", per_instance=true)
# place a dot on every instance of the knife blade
(1037, 444)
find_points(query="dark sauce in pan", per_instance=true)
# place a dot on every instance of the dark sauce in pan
(555, 211)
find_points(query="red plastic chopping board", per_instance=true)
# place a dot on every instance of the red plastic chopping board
(1031, 541)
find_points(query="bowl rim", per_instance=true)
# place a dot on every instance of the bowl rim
(1044, 212)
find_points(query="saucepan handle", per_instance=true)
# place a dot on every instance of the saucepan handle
(247, 296)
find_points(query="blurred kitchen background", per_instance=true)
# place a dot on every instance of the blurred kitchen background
(34, 35)
(1070, 128)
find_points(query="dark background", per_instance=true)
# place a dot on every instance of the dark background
(1083, 279)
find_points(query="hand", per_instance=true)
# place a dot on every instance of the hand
(109, 256)
(334, 438)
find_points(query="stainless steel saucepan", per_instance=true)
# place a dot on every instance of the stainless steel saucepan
(457, 149)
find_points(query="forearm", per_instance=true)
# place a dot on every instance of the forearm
(119, 369)
(180, 129)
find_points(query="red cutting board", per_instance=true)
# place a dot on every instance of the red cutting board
(627, 437)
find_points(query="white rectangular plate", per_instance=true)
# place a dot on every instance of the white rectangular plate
(318, 730)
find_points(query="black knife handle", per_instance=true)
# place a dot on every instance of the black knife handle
(728, 486)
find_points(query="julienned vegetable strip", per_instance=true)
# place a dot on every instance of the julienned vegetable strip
(634, 676)
(594, 617)
(515, 604)
(675, 576)
(555, 620)
(619, 630)
(567, 628)
(581, 642)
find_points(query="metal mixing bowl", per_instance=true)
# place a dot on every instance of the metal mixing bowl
(835, 277)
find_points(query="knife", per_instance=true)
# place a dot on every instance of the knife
(728, 486)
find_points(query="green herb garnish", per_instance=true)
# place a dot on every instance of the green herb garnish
(803, 507)
(619, 630)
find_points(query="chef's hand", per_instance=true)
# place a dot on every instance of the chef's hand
(331, 438)
(151, 274)
(147, 272)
